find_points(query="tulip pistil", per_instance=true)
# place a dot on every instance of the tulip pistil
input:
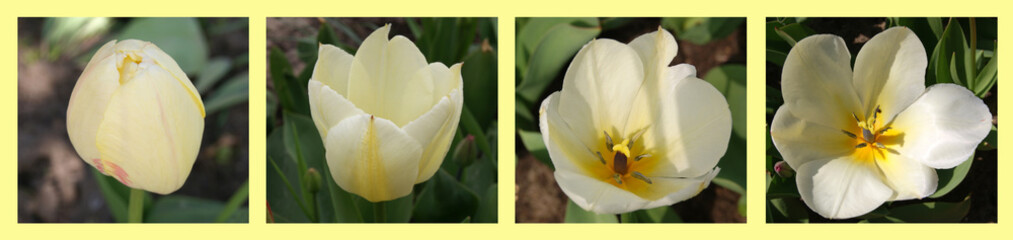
(621, 167)
(873, 135)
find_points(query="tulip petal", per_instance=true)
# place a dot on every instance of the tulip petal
(435, 131)
(909, 178)
(151, 131)
(841, 188)
(816, 82)
(597, 196)
(332, 68)
(890, 71)
(328, 107)
(89, 101)
(566, 150)
(391, 79)
(166, 62)
(691, 125)
(599, 88)
(373, 158)
(445, 79)
(656, 51)
(943, 126)
(800, 141)
(679, 189)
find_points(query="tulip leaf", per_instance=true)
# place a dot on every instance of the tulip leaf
(730, 80)
(238, 198)
(396, 211)
(212, 73)
(780, 210)
(481, 174)
(782, 187)
(479, 74)
(291, 94)
(553, 51)
(951, 178)
(988, 76)
(534, 143)
(776, 57)
(445, 200)
(184, 209)
(733, 167)
(181, 38)
(446, 40)
(234, 91)
(487, 207)
(944, 57)
(664, 214)
(700, 30)
(575, 214)
(525, 119)
(282, 194)
(531, 31)
(931, 212)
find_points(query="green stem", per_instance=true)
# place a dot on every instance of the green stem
(135, 211)
(379, 212)
(235, 201)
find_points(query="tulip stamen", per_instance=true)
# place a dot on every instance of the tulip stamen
(861, 145)
(641, 156)
(641, 176)
(608, 141)
(618, 178)
(850, 135)
(600, 158)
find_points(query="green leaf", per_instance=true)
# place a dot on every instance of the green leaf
(781, 210)
(951, 178)
(575, 214)
(238, 198)
(534, 143)
(560, 43)
(782, 188)
(776, 57)
(184, 209)
(479, 74)
(181, 38)
(444, 199)
(944, 56)
(702, 30)
(115, 194)
(987, 77)
(730, 80)
(213, 72)
(733, 167)
(397, 210)
(291, 94)
(234, 91)
(665, 214)
(487, 208)
(931, 212)
(446, 40)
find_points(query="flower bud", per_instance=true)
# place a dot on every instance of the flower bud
(466, 152)
(313, 180)
(135, 115)
(783, 170)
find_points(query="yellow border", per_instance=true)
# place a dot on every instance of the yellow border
(506, 11)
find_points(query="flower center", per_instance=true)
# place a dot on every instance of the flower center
(625, 161)
(875, 136)
(127, 66)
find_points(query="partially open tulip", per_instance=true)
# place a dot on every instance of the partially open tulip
(385, 115)
(628, 132)
(857, 139)
(134, 115)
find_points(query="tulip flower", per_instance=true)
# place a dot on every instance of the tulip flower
(135, 115)
(628, 132)
(858, 139)
(386, 116)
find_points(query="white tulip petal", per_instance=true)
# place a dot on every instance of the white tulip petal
(890, 71)
(800, 141)
(445, 79)
(566, 150)
(691, 127)
(942, 127)
(392, 81)
(600, 86)
(841, 187)
(435, 130)
(332, 68)
(656, 51)
(680, 189)
(816, 82)
(909, 178)
(103, 52)
(597, 196)
(166, 62)
(373, 158)
(151, 133)
(88, 103)
(328, 107)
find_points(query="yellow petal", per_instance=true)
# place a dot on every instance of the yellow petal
(373, 158)
(166, 62)
(890, 71)
(151, 131)
(89, 100)
(332, 68)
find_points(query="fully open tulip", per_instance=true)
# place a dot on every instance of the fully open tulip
(628, 132)
(386, 117)
(134, 115)
(859, 139)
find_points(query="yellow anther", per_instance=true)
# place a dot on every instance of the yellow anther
(622, 147)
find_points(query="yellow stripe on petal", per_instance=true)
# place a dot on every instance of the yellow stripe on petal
(373, 158)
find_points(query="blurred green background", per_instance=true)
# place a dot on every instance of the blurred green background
(463, 190)
(960, 51)
(545, 46)
(54, 185)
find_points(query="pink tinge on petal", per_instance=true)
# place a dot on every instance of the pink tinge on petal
(116, 170)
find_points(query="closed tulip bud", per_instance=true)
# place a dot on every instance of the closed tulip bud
(783, 170)
(466, 152)
(386, 116)
(134, 115)
(313, 180)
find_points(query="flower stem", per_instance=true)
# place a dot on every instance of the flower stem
(135, 211)
(379, 212)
